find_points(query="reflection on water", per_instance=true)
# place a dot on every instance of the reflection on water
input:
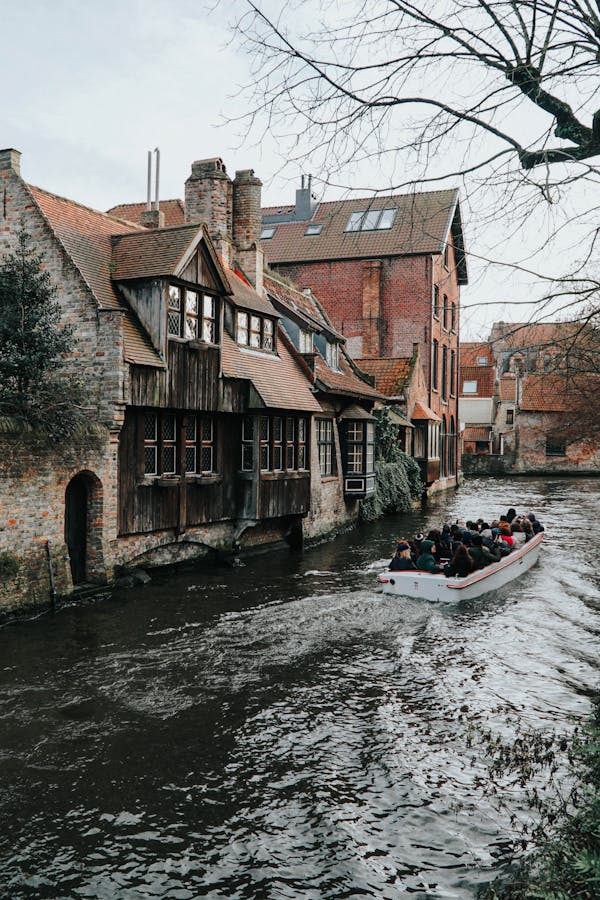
(284, 730)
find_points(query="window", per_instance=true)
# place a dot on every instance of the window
(444, 373)
(313, 229)
(241, 334)
(510, 417)
(306, 341)
(436, 301)
(191, 315)
(163, 432)
(555, 446)
(332, 355)
(452, 373)
(469, 387)
(360, 440)
(447, 256)
(282, 443)
(326, 446)
(445, 313)
(453, 317)
(247, 443)
(371, 220)
(209, 329)
(199, 445)
(254, 331)
(482, 361)
(267, 232)
(434, 366)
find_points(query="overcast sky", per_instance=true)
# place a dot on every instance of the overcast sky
(89, 87)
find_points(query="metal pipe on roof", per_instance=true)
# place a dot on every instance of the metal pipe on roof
(157, 152)
(149, 191)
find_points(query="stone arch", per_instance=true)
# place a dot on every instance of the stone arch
(84, 502)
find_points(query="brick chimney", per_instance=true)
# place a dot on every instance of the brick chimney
(208, 199)
(247, 224)
(10, 160)
(153, 218)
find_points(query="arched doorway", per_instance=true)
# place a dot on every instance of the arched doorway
(83, 520)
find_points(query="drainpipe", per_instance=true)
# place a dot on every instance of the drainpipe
(51, 575)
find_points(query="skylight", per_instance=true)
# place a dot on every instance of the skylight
(371, 220)
(267, 232)
(313, 229)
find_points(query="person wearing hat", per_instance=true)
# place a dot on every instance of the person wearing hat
(401, 561)
(426, 561)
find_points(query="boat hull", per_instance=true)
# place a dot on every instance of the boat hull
(438, 588)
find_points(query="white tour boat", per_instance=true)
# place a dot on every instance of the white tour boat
(413, 583)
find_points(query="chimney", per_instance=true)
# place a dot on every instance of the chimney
(247, 225)
(153, 218)
(305, 204)
(208, 200)
(10, 160)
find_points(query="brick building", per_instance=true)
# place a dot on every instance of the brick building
(388, 272)
(540, 381)
(206, 408)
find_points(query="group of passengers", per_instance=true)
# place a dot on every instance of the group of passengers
(464, 547)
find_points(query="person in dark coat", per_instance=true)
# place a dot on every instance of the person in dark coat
(480, 555)
(510, 515)
(401, 561)
(535, 523)
(461, 563)
(426, 561)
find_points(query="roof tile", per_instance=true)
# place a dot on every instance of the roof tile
(391, 374)
(421, 225)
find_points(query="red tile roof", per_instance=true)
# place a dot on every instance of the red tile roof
(546, 393)
(422, 225)
(471, 351)
(277, 379)
(522, 335)
(245, 296)
(304, 304)
(483, 375)
(85, 234)
(173, 209)
(151, 253)
(345, 382)
(507, 389)
(476, 433)
(391, 375)
(422, 411)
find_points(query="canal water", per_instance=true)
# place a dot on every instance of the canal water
(283, 730)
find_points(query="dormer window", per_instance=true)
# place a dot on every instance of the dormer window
(306, 341)
(254, 331)
(333, 355)
(371, 220)
(191, 315)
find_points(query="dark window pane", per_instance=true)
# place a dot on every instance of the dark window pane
(168, 466)
(207, 459)
(150, 460)
(150, 427)
(190, 459)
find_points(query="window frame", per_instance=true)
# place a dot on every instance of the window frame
(435, 364)
(325, 436)
(248, 324)
(469, 382)
(358, 219)
(178, 442)
(180, 314)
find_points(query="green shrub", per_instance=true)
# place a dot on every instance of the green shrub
(397, 485)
